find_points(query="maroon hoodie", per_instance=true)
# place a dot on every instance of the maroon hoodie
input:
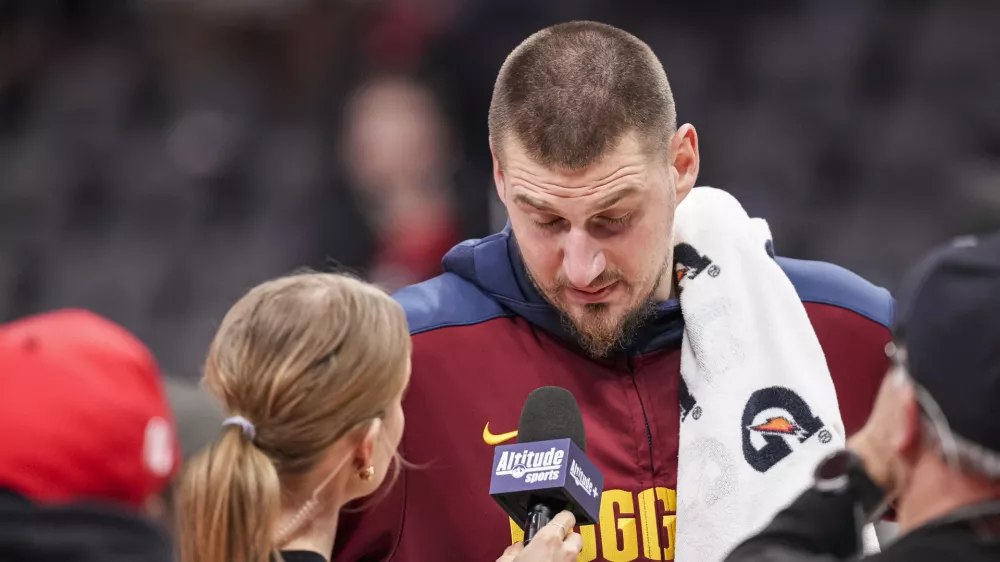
(483, 339)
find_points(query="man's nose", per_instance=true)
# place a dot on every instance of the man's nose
(583, 259)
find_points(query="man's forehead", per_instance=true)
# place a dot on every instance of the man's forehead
(629, 151)
(617, 175)
(549, 202)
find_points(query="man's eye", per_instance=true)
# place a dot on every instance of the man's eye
(616, 220)
(547, 224)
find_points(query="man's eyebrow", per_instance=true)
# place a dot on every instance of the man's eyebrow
(610, 200)
(604, 204)
(522, 199)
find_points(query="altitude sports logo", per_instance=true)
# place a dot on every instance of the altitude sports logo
(581, 479)
(531, 465)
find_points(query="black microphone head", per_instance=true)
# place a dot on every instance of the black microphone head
(551, 412)
(547, 470)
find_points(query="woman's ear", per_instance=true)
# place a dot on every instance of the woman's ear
(365, 451)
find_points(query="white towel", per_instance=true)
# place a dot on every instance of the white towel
(760, 410)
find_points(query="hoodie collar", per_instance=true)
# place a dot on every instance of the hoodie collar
(495, 265)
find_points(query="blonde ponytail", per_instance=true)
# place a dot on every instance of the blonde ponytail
(230, 498)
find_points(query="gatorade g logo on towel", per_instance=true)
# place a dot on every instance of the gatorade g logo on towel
(774, 420)
(688, 262)
(689, 406)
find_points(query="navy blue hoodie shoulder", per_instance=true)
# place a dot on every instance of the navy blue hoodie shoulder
(453, 298)
(824, 283)
(484, 280)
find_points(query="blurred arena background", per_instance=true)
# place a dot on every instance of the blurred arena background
(160, 157)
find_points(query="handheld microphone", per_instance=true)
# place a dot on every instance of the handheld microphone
(547, 471)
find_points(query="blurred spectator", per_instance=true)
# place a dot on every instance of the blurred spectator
(398, 157)
(89, 441)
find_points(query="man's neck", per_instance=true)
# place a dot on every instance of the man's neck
(937, 491)
(667, 289)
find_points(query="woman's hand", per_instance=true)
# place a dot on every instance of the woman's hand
(556, 542)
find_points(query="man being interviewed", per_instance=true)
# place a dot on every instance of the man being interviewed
(710, 374)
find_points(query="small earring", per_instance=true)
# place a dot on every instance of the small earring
(367, 473)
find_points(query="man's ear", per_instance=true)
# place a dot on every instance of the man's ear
(908, 439)
(498, 178)
(684, 159)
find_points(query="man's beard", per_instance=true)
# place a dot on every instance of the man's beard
(598, 333)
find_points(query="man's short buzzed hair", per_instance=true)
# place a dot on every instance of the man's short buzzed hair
(570, 92)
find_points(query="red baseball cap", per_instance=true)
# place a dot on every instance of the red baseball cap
(83, 412)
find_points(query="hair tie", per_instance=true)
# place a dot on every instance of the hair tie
(248, 428)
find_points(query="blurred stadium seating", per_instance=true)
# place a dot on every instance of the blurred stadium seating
(159, 157)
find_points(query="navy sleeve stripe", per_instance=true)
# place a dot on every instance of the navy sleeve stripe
(457, 324)
(825, 283)
(444, 301)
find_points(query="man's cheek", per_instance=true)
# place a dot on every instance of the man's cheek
(544, 266)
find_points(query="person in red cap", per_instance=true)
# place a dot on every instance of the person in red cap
(88, 441)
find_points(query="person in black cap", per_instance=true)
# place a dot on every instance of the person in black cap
(932, 444)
